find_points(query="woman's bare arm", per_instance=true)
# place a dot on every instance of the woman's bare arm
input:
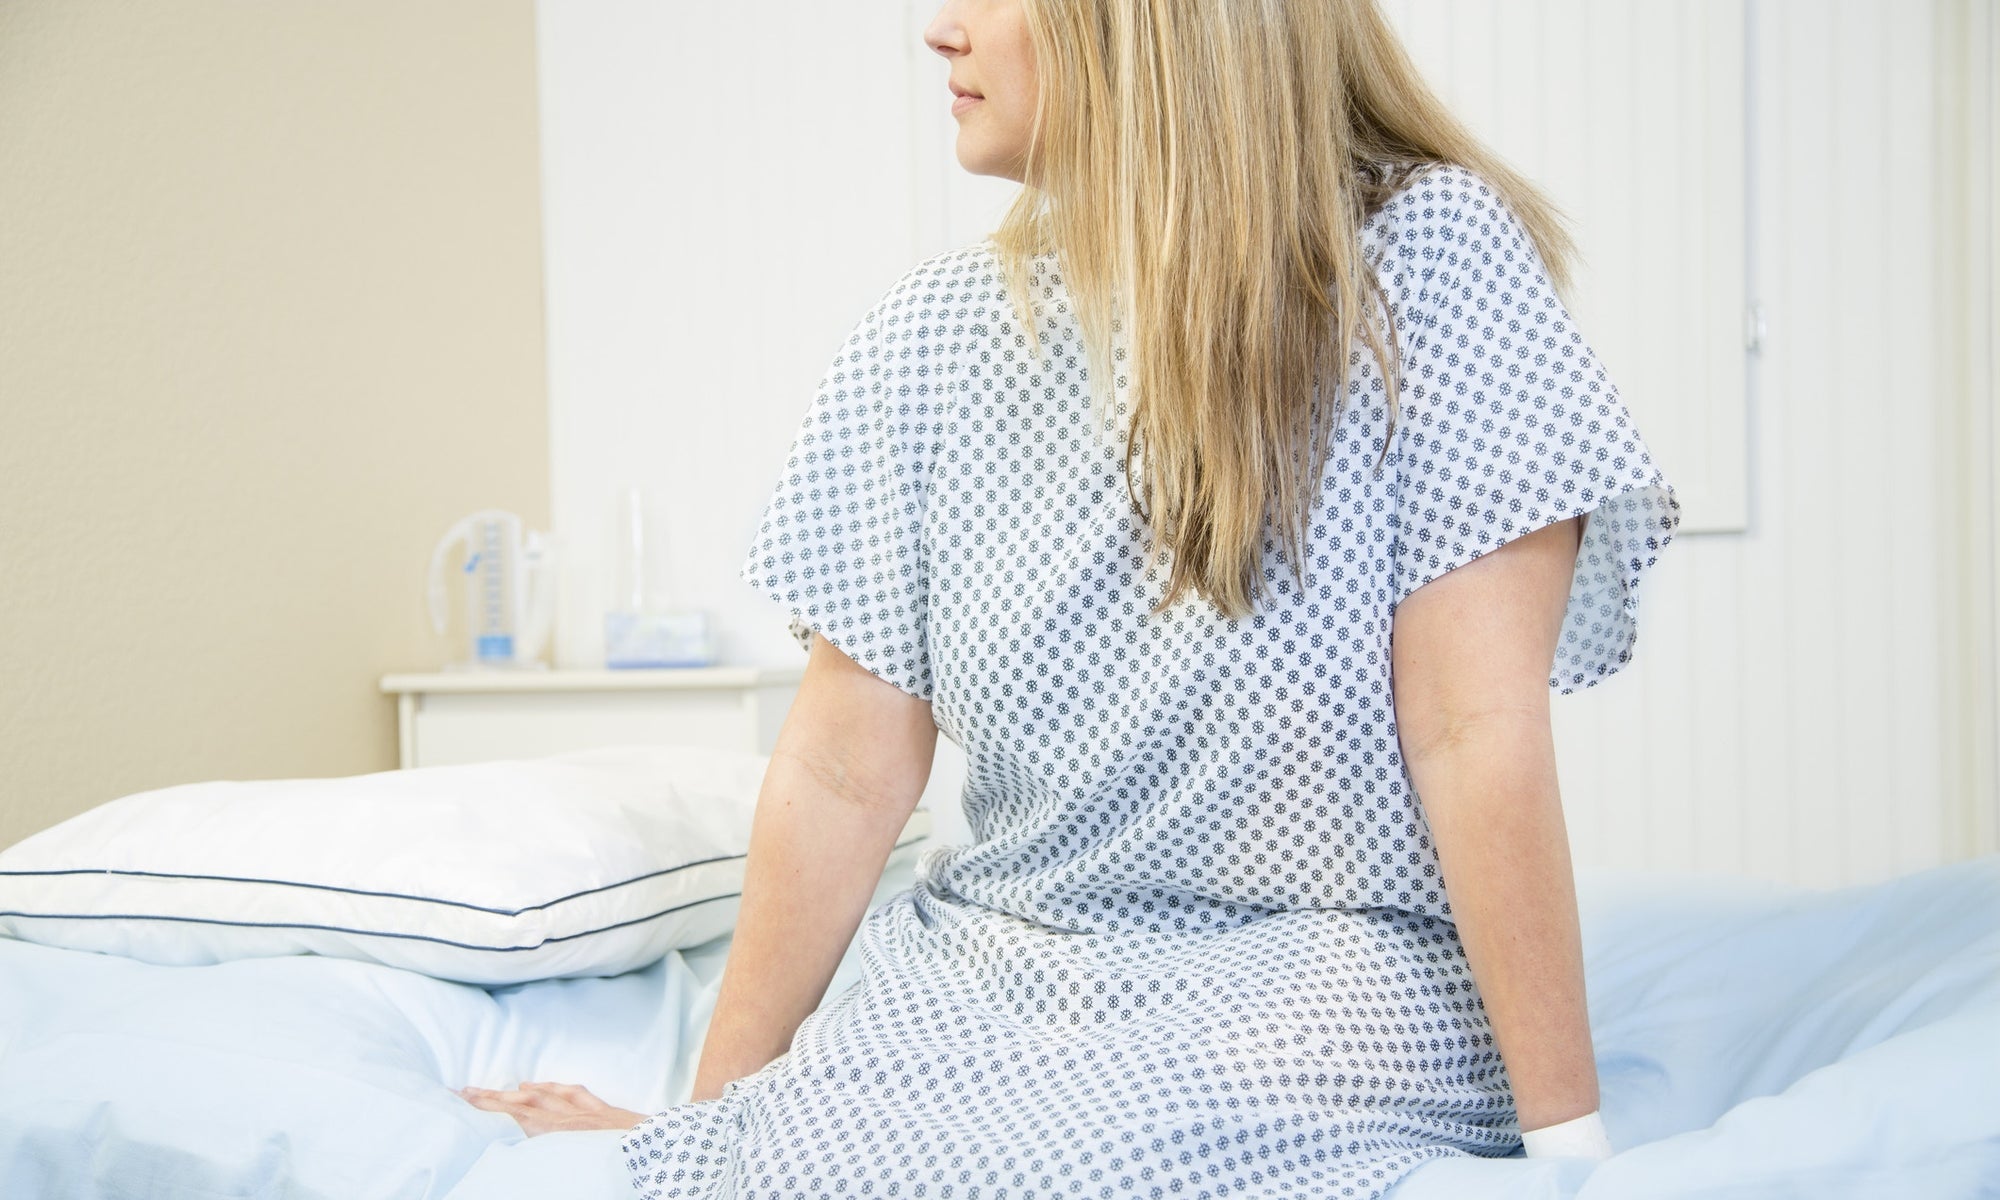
(850, 765)
(848, 768)
(1470, 658)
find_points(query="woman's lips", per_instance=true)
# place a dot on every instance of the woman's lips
(960, 103)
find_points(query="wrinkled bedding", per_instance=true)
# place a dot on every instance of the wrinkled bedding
(1752, 1041)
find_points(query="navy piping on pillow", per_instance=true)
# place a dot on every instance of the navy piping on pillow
(330, 887)
(413, 937)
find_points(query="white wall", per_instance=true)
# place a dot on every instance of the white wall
(727, 188)
(1795, 711)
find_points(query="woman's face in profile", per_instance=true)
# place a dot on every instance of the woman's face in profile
(993, 82)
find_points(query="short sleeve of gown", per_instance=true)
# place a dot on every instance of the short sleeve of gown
(1509, 423)
(840, 544)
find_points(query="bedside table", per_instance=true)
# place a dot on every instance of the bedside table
(476, 716)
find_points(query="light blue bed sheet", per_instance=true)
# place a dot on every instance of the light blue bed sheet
(1752, 1041)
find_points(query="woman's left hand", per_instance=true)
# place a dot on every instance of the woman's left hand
(550, 1107)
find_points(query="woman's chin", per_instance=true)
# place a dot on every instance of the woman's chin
(976, 161)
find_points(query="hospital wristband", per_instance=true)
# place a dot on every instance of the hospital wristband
(1580, 1137)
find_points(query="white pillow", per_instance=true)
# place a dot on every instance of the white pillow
(594, 862)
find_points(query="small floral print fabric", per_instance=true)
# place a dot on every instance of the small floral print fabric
(1199, 945)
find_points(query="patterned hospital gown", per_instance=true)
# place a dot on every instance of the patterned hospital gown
(1199, 945)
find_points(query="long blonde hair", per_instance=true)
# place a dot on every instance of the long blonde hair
(1206, 168)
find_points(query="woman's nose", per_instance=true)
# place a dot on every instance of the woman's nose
(944, 34)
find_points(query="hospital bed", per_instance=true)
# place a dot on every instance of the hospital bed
(1753, 1040)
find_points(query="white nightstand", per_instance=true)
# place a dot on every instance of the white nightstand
(477, 716)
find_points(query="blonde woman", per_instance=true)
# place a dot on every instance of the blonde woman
(1235, 506)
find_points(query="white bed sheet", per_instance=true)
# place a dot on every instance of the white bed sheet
(311, 1077)
(1752, 1041)
(299, 1076)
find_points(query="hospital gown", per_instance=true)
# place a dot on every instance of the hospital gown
(1199, 945)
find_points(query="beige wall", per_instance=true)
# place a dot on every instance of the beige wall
(270, 319)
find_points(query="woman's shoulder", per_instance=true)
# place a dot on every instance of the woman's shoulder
(1437, 210)
(962, 267)
(946, 288)
(1438, 190)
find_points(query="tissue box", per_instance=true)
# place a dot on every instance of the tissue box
(657, 639)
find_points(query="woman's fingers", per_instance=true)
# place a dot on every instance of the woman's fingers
(574, 1093)
(530, 1093)
(546, 1107)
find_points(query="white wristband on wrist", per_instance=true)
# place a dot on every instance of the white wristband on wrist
(1580, 1137)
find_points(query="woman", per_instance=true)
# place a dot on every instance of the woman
(1248, 641)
